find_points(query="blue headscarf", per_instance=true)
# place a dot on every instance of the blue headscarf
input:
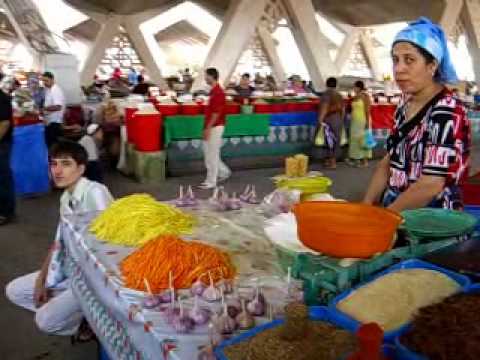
(430, 37)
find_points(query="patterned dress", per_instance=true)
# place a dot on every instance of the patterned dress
(436, 142)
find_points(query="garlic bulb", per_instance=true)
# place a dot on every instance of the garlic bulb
(256, 307)
(167, 296)
(226, 324)
(252, 199)
(244, 320)
(183, 324)
(246, 194)
(151, 302)
(198, 287)
(198, 315)
(180, 201)
(234, 306)
(211, 293)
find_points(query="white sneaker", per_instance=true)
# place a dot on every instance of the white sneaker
(224, 178)
(206, 186)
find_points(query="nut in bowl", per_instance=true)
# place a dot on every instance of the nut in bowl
(346, 230)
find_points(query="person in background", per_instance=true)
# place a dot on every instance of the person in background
(270, 84)
(428, 151)
(53, 109)
(297, 85)
(132, 77)
(90, 142)
(217, 171)
(48, 292)
(111, 124)
(38, 92)
(331, 115)
(244, 89)
(7, 191)
(142, 87)
(360, 121)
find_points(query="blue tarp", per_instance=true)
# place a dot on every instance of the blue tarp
(294, 118)
(29, 160)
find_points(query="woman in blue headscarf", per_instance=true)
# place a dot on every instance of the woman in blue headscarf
(429, 148)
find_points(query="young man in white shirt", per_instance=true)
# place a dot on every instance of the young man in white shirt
(53, 110)
(47, 292)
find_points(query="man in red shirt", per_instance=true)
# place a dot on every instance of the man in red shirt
(217, 171)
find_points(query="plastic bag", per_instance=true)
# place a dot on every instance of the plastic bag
(369, 141)
(280, 201)
(320, 137)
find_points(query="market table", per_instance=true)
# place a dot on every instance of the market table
(126, 330)
(382, 115)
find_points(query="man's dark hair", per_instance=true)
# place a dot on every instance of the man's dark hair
(332, 82)
(360, 84)
(213, 73)
(71, 149)
(140, 78)
(246, 76)
(49, 75)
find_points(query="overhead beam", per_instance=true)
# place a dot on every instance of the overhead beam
(313, 45)
(104, 38)
(345, 50)
(270, 48)
(132, 26)
(450, 15)
(237, 31)
(370, 56)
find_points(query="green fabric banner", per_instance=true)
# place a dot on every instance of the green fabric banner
(184, 127)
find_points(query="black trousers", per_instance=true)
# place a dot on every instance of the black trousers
(53, 133)
(7, 190)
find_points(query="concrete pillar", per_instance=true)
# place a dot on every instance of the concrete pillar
(270, 48)
(104, 38)
(471, 21)
(370, 56)
(345, 50)
(450, 15)
(138, 40)
(237, 31)
(312, 44)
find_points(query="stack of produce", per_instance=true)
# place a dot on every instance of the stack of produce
(392, 300)
(136, 219)
(296, 166)
(187, 261)
(298, 339)
(447, 331)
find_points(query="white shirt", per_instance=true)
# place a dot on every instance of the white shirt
(54, 96)
(88, 196)
(88, 143)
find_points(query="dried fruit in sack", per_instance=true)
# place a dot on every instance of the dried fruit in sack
(187, 261)
(136, 219)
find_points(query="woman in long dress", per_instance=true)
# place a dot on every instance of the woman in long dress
(358, 154)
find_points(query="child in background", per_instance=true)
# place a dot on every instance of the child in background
(90, 142)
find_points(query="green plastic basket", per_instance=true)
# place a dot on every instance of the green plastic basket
(438, 223)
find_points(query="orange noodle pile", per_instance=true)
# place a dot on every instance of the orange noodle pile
(187, 261)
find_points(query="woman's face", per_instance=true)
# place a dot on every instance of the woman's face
(356, 90)
(410, 69)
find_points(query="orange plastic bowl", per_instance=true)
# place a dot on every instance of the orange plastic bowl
(346, 230)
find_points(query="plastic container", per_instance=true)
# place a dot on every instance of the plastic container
(279, 107)
(319, 313)
(247, 109)
(263, 108)
(351, 324)
(191, 109)
(232, 109)
(168, 109)
(129, 123)
(404, 353)
(148, 132)
(346, 230)
(475, 212)
(438, 223)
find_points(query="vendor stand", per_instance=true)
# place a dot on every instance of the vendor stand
(112, 310)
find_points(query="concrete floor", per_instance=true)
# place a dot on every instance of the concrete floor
(24, 244)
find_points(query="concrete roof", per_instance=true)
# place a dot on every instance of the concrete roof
(353, 12)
